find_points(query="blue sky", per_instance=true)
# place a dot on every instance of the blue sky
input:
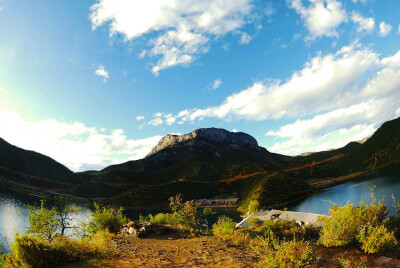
(92, 83)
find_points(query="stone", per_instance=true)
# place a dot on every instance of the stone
(131, 230)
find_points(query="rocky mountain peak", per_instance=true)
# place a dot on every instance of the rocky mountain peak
(208, 134)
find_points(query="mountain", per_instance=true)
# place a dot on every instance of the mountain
(205, 163)
(380, 150)
(32, 168)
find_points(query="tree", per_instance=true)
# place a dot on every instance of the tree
(47, 223)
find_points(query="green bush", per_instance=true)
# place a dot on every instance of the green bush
(377, 240)
(104, 218)
(352, 263)
(37, 252)
(224, 228)
(253, 206)
(346, 222)
(275, 253)
(287, 230)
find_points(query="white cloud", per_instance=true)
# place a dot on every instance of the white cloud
(155, 122)
(139, 117)
(398, 31)
(352, 91)
(384, 28)
(183, 28)
(217, 83)
(330, 79)
(102, 73)
(245, 38)
(73, 144)
(322, 17)
(365, 25)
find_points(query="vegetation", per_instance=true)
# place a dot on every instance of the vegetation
(104, 218)
(184, 215)
(278, 253)
(47, 244)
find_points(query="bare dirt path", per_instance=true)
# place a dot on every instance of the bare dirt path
(178, 252)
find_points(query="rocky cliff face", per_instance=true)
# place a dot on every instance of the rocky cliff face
(208, 134)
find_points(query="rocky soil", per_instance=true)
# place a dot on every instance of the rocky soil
(173, 251)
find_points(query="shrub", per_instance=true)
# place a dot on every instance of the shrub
(377, 240)
(224, 228)
(103, 218)
(275, 253)
(30, 251)
(288, 230)
(346, 222)
(393, 225)
(352, 263)
(253, 206)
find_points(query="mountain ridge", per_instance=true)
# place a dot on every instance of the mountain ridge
(208, 134)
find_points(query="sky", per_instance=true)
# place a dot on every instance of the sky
(92, 83)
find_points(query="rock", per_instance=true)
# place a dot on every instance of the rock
(132, 230)
(208, 134)
(133, 224)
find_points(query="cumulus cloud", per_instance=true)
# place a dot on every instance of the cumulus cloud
(364, 25)
(321, 17)
(73, 144)
(139, 117)
(330, 79)
(182, 28)
(217, 83)
(349, 92)
(384, 28)
(102, 73)
(155, 122)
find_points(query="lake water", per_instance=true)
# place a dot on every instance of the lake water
(386, 182)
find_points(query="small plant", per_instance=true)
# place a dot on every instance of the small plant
(352, 264)
(377, 240)
(275, 253)
(104, 218)
(224, 228)
(346, 222)
(253, 206)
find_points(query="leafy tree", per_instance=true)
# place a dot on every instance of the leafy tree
(47, 223)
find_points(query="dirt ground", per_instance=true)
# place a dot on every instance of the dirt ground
(178, 252)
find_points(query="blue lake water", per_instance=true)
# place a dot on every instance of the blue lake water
(351, 192)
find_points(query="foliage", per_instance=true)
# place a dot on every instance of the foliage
(346, 222)
(352, 264)
(224, 228)
(276, 253)
(253, 206)
(184, 215)
(377, 240)
(286, 230)
(104, 218)
(42, 221)
(47, 223)
(33, 251)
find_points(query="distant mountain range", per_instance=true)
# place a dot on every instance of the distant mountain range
(204, 163)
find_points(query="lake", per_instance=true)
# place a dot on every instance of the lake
(387, 182)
